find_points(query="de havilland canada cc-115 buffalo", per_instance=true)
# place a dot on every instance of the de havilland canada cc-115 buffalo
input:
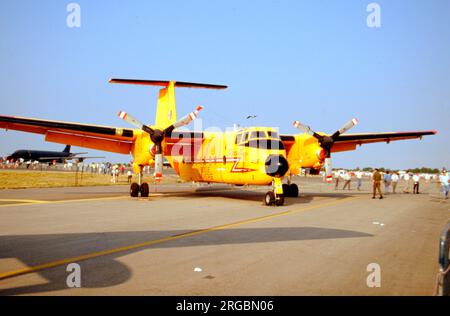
(246, 156)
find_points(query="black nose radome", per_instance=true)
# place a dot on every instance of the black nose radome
(276, 166)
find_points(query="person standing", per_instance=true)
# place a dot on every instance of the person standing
(416, 180)
(117, 171)
(347, 179)
(376, 178)
(129, 175)
(444, 180)
(394, 180)
(337, 175)
(406, 178)
(358, 175)
(387, 181)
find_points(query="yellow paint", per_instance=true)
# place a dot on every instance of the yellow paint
(303, 154)
(220, 158)
(166, 111)
(10, 274)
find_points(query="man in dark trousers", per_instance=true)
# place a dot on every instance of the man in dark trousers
(416, 180)
(376, 177)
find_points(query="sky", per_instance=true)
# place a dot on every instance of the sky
(313, 61)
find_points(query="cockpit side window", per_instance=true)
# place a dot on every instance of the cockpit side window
(238, 138)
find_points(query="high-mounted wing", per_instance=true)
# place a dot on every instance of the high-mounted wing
(106, 138)
(349, 141)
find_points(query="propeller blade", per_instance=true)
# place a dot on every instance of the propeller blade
(188, 118)
(346, 127)
(135, 122)
(303, 128)
(306, 129)
(328, 170)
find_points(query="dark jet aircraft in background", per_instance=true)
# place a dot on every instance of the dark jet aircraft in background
(47, 156)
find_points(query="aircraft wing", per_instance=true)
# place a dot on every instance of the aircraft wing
(349, 141)
(106, 138)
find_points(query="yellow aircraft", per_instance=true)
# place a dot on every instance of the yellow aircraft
(253, 155)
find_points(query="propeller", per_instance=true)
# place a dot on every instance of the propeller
(326, 142)
(157, 136)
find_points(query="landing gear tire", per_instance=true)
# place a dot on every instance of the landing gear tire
(269, 198)
(134, 189)
(144, 189)
(280, 200)
(290, 190)
(286, 189)
(293, 190)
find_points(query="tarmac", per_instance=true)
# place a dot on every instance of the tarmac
(187, 239)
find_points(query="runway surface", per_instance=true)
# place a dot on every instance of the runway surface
(218, 240)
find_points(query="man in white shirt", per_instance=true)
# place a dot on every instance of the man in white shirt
(394, 180)
(129, 176)
(416, 180)
(406, 178)
(337, 175)
(358, 175)
(347, 179)
(444, 179)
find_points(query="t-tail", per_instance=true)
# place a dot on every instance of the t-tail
(166, 115)
(166, 111)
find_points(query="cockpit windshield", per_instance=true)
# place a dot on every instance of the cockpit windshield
(271, 144)
(261, 139)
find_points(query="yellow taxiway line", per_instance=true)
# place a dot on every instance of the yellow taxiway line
(10, 274)
(20, 202)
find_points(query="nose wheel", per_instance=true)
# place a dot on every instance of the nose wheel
(275, 197)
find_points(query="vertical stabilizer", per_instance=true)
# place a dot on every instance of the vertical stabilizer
(166, 112)
(67, 149)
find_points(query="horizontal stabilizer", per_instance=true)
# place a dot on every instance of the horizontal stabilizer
(165, 83)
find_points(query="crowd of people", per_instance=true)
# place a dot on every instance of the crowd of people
(392, 180)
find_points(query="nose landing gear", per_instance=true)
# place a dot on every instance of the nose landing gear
(275, 197)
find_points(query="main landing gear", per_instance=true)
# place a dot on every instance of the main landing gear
(136, 188)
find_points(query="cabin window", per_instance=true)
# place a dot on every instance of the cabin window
(272, 134)
(254, 134)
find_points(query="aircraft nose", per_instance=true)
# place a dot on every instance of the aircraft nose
(276, 166)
